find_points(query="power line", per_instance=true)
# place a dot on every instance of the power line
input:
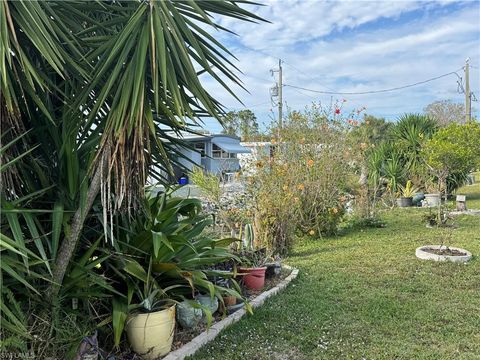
(375, 91)
(263, 103)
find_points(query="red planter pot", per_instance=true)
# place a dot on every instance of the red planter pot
(255, 278)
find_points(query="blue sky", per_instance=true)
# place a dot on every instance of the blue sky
(353, 46)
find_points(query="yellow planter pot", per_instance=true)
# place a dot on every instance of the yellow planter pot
(151, 335)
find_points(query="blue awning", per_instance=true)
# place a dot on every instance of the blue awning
(230, 145)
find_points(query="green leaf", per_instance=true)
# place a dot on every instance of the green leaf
(119, 317)
(160, 239)
(133, 268)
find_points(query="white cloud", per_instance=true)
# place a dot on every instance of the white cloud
(294, 21)
(326, 46)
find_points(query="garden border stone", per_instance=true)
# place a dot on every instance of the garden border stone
(205, 337)
(424, 255)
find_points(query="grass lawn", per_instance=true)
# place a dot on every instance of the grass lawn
(366, 295)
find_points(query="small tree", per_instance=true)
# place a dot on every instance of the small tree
(446, 112)
(454, 149)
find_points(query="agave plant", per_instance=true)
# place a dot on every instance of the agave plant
(409, 190)
(394, 170)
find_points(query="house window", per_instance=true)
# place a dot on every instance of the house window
(200, 147)
(218, 153)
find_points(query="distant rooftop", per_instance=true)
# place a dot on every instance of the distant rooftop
(192, 137)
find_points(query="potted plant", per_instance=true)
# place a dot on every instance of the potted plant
(253, 266)
(151, 334)
(163, 258)
(228, 299)
(252, 261)
(150, 324)
(432, 200)
(407, 192)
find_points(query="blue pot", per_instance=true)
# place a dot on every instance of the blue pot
(417, 198)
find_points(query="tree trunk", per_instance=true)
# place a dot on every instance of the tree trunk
(363, 175)
(70, 242)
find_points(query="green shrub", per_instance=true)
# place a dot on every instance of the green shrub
(163, 256)
(302, 186)
(452, 153)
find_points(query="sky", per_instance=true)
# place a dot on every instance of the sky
(352, 46)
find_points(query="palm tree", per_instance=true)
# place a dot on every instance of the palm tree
(89, 93)
(409, 133)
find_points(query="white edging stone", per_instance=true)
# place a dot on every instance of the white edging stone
(205, 337)
(424, 255)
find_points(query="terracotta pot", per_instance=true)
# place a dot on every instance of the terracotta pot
(151, 334)
(229, 300)
(255, 278)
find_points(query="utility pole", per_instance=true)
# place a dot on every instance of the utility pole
(280, 98)
(468, 95)
(277, 92)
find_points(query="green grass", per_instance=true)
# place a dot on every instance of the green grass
(366, 295)
(473, 193)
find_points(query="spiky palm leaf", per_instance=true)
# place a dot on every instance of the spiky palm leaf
(410, 132)
(99, 84)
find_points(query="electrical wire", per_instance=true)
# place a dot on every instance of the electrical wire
(374, 91)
